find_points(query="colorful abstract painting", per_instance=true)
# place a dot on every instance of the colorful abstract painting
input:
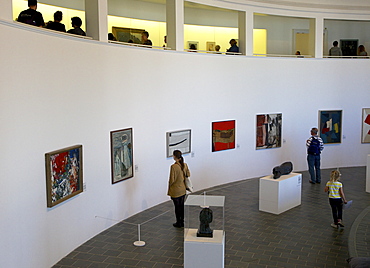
(178, 140)
(330, 126)
(121, 155)
(365, 138)
(268, 131)
(223, 135)
(63, 174)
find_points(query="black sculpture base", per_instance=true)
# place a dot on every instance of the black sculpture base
(205, 234)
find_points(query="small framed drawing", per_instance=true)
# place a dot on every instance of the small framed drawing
(210, 46)
(178, 140)
(330, 126)
(365, 137)
(223, 135)
(268, 131)
(63, 174)
(121, 155)
(193, 45)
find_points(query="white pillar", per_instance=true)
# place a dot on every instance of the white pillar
(6, 10)
(368, 174)
(316, 38)
(245, 31)
(97, 19)
(175, 24)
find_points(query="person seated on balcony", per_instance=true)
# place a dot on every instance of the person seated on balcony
(56, 25)
(335, 50)
(361, 51)
(31, 16)
(144, 39)
(111, 37)
(234, 47)
(76, 24)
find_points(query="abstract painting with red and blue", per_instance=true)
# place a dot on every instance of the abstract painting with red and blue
(330, 126)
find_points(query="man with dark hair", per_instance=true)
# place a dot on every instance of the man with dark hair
(76, 24)
(56, 25)
(335, 50)
(31, 16)
(234, 47)
(314, 147)
(144, 38)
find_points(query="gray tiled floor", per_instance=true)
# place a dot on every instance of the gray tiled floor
(300, 237)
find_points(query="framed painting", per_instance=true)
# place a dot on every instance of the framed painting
(127, 34)
(365, 137)
(210, 46)
(330, 126)
(64, 177)
(193, 45)
(268, 131)
(178, 140)
(121, 155)
(223, 135)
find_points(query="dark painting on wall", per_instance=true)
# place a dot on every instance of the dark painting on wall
(365, 138)
(223, 135)
(268, 131)
(330, 126)
(63, 174)
(121, 155)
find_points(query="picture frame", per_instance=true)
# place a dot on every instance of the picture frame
(121, 154)
(64, 174)
(330, 126)
(210, 46)
(365, 130)
(126, 34)
(268, 131)
(178, 140)
(223, 135)
(195, 43)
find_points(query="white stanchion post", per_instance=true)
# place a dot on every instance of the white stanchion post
(139, 243)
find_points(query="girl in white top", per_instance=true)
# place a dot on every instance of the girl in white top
(336, 197)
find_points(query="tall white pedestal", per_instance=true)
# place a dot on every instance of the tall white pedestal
(280, 195)
(368, 174)
(204, 252)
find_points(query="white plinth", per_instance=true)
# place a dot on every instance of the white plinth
(280, 195)
(204, 252)
(368, 174)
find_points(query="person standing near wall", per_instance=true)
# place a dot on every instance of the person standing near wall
(314, 147)
(335, 50)
(31, 16)
(145, 39)
(56, 25)
(234, 47)
(336, 198)
(76, 24)
(176, 186)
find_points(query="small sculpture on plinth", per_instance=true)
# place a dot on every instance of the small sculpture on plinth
(283, 169)
(205, 217)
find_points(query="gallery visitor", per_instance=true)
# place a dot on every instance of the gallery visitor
(31, 16)
(76, 24)
(336, 198)
(144, 39)
(335, 50)
(176, 186)
(234, 47)
(314, 147)
(56, 25)
(361, 51)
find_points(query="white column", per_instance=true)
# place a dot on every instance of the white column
(6, 10)
(316, 38)
(245, 31)
(368, 174)
(175, 24)
(97, 19)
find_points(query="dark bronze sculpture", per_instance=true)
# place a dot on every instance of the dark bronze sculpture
(205, 217)
(283, 169)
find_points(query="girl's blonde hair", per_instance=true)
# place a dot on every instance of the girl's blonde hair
(334, 175)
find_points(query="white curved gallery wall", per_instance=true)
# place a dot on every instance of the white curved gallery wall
(59, 91)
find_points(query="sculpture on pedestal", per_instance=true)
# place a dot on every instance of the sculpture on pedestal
(284, 169)
(205, 217)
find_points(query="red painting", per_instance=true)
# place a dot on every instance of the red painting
(223, 135)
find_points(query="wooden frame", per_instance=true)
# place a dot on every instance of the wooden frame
(223, 135)
(64, 174)
(268, 131)
(121, 154)
(330, 126)
(365, 131)
(178, 140)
